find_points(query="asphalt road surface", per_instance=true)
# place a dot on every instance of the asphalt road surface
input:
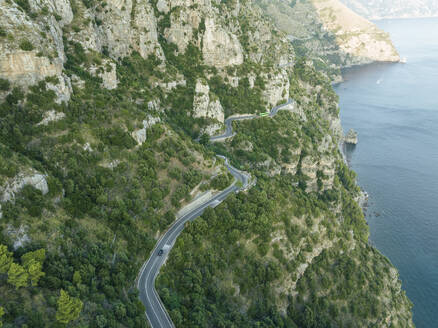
(229, 121)
(155, 311)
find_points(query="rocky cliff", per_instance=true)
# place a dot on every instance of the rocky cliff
(356, 37)
(329, 33)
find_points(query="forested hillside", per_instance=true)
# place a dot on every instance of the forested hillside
(101, 104)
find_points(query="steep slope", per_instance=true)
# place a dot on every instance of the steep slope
(100, 104)
(292, 252)
(330, 33)
(379, 9)
(355, 35)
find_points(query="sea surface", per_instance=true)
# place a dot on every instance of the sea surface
(394, 108)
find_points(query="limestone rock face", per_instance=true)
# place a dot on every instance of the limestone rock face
(154, 105)
(19, 236)
(109, 77)
(181, 30)
(168, 86)
(140, 134)
(351, 137)
(309, 167)
(212, 129)
(44, 56)
(107, 72)
(220, 49)
(115, 31)
(163, 6)
(27, 68)
(145, 35)
(51, 116)
(124, 27)
(327, 166)
(63, 88)
(277, 88)
(336, 127)
(35, 179)
(292, 166)
(204, 106)
(60, 7)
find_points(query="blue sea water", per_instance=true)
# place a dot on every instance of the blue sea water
(394, 108)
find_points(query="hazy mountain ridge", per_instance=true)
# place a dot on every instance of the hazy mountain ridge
(379, 9)
(330, 33)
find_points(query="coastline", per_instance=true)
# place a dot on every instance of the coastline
(363, 196)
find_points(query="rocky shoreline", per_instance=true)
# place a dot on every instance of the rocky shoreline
(362, 198)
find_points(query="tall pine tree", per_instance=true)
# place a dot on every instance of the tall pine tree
(69, 308)
(5, 259)
(17, 276)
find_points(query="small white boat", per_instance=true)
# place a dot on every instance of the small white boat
(404, 60)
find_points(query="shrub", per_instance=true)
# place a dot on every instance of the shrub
(26, 45)
(24, 4)
(220, 182)
(2, 31)
(4, 85)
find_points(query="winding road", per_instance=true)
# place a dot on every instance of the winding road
(155, 311)
(229, 121)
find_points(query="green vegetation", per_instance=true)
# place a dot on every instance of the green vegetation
(29, 270)
(105, 205)
(17, 276)
(227, 258)
(238, 263)
(221, 181)
(4, 85)
(26, 45)
(2, 313)
(242, 99)
(24, 4)
(290, 252)
(69, 308)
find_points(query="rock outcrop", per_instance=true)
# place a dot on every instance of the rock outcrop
(139, 135)
(220, 48)
(205, 104)
(277, 88)
(107, 72)
(35, 48)
(51, 116)
(19, 236)
(351, 137)
(33, 178)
